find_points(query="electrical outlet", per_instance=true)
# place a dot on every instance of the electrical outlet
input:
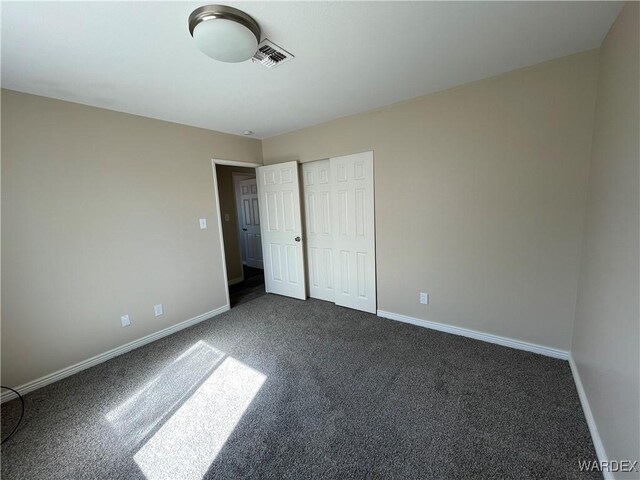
(203, 223)
(124, 319)
(424, 298)
(157, 309)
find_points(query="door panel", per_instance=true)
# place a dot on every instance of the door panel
(319, 244)
(250, 223)
(279, 202)
(354, 240)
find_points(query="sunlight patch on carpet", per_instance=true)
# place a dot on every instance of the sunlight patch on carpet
(189, 442)
(145, 410)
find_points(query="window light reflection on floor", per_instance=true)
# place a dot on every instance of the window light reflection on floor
(190, 440)
(144, 411)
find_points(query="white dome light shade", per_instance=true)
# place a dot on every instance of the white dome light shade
(224, 33)
(225, 40)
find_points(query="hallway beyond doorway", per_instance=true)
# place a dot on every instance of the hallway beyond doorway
(252, 286)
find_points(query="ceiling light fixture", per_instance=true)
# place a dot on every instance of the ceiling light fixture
(224, 33)
(247, 132)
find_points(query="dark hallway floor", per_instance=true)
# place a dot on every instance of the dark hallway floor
(252, 286)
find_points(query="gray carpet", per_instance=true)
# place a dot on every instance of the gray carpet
(280, 388)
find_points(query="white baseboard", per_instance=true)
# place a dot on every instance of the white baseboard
(103, 357)
(235, 281)
(486, 337)
(591, 422)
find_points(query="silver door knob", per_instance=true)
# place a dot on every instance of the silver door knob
(297, 239)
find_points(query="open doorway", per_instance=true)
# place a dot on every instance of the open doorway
(240, 221)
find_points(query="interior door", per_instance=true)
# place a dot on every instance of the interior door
(250, 222)
(316, 180)
(354, 231)
(279, 200)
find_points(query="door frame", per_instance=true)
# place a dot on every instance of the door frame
(216, 193)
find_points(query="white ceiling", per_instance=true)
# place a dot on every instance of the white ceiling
(138, 57)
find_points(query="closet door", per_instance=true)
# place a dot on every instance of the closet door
(281, 227)
(353, 230)
(316, 180)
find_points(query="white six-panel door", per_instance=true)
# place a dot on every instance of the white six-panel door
(279, 201)
(316, 182)
(354, 231)
(250, 222)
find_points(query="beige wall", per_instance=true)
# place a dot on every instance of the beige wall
(480, 194)
(100, 218)
(226, 192)
(606, 333)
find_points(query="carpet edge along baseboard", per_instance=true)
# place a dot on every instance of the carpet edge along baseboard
(103, 357)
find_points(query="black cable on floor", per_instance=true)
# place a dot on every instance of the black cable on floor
(21, 413)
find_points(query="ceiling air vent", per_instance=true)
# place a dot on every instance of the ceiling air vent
(271, 55)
